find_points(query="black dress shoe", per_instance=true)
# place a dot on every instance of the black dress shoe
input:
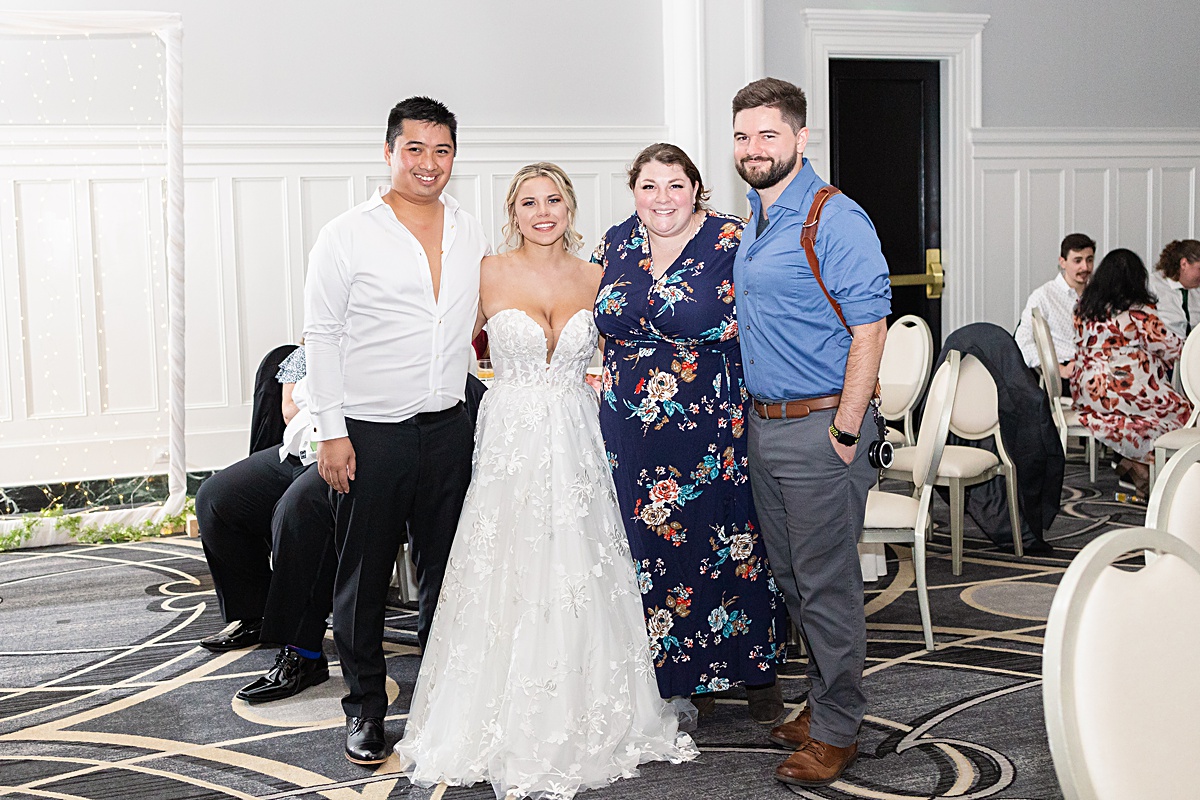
(292, 674)
(242, 633)
(364, 741)
(1039, 548)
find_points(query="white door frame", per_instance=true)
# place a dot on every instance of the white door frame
(954, 40)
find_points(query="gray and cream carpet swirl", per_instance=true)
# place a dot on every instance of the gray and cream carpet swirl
(105, 694)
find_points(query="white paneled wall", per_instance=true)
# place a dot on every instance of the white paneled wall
(1124, 188)
(83, 314)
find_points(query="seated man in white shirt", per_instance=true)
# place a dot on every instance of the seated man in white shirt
(1176, 282)
(1056, 299)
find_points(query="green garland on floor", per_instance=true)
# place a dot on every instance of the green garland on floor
(77, 526)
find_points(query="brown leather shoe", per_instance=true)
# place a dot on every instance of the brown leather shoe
(795, 733)
(816, 764)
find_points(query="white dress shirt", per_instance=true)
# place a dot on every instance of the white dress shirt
(297, 436)
(379, 347)
(1170, 303)
(1057, 301)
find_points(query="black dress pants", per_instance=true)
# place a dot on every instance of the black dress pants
(304, 563)
(258, 513)
(234, 509)
(413, 472)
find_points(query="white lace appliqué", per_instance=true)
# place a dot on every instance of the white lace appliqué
(537, 676)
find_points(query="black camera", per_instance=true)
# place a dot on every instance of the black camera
(881, 453)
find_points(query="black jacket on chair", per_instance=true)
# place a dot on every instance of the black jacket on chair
(1029, 434)
(266, 421)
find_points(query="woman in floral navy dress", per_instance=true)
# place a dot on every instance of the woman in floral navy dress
(671, 412)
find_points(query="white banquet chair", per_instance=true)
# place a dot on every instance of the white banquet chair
(1119, 688)
(975, 416)
(903, 373)
(1174, 503)
(897, 518)
(1188, 372)
(1066, 419)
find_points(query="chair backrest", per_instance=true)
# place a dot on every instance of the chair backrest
(1048, 357)
(1189, 374)
(1174, 504)
(1120, 693)
(1051, 381)
(904, 368)
(266, 419)
(976, 413)
(935, 422)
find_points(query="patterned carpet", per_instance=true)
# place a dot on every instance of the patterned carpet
(104, 693)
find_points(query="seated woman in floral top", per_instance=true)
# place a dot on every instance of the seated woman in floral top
(1124, 355)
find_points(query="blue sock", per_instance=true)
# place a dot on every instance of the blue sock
(311, 655)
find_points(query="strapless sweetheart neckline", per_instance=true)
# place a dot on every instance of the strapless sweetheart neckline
(545, 337)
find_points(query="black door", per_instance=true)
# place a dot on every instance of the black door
(885, 153)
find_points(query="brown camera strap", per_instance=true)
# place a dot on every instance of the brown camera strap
(808, 239)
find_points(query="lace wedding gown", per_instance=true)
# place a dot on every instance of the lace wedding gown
(537, 676)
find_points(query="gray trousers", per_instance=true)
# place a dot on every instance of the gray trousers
(811, 506)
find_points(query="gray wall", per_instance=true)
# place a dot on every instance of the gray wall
(313, 62)
(1054, 63)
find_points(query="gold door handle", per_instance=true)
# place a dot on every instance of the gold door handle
(933, 279)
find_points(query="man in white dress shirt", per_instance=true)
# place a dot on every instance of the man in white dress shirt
(390, 302)
(1056, 299)
(1176, 282)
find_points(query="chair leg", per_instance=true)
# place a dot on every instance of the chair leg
(402, 577)
(1160, 455)
(918, 555)
(957, 501)
(1014, 513)
(1091, 456)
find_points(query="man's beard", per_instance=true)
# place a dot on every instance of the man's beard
(778, 171)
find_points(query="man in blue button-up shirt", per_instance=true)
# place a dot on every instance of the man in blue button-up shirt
(812, 378)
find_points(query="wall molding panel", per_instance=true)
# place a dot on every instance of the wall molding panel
(1133, 188)
(82, 399)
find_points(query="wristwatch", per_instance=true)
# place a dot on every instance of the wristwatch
(843, 438)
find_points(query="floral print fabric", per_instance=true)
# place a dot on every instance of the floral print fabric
(672, 412)
(1120, 384)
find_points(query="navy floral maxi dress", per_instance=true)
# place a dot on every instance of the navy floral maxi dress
(672, 415)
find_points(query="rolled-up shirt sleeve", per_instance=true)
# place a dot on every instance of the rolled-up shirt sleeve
(326, 298)
(853, 266)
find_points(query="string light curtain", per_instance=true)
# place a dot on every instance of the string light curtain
(168, 28)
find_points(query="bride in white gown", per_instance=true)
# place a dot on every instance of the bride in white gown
(537, 676)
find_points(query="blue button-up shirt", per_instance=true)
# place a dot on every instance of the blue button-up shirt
(793, 345)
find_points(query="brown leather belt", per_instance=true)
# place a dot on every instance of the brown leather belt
(796, 409)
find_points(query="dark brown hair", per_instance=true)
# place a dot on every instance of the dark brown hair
(1118, 284)
(1168, 260)
(774, 93)
(672, 156)
(1077, 242)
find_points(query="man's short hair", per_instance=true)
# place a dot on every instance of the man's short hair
(774, 93)
(1077, 242)
(420, 109)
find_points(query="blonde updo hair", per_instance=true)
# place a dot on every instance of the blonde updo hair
(1168, 260)
(513, 237)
